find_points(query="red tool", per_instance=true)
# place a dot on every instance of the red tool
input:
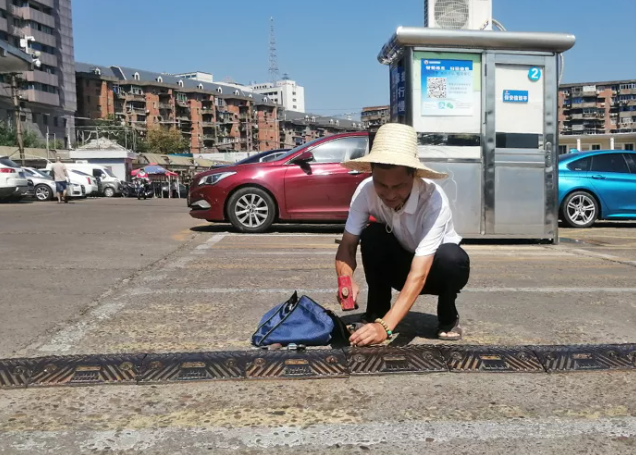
(345, 292)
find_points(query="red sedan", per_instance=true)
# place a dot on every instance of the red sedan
(305, 184)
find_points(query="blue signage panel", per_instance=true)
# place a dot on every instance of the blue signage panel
(515, 96)
(398, 91)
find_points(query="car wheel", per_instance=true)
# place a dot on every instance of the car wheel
(580, 210)
(109, 192)
(43, 193)
(251, 210)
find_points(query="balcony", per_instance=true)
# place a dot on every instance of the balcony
(3, 4)
(42, 77)
(597, 116)
(40, 37)
(182, 103)
(584, 105)
(3, 25)
(628, 91)
(167, 106)
(34, 15)
(49, 3)
(36, 96)
(207, 124)
(48, 59)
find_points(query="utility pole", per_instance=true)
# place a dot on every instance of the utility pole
(16, 111)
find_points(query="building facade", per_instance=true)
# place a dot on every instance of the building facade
(374, 117)
(48, 92)
(597, 108)
(196, 75)
(212, 117)
(297, 128)
(285, 93)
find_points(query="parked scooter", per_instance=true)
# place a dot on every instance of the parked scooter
(128, 189)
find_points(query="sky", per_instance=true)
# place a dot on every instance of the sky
(328, 46)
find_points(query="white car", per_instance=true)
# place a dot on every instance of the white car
(13, 181)
(89, 182)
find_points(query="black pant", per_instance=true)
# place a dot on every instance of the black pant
(387, 265)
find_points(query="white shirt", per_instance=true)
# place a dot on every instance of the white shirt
(421, 226)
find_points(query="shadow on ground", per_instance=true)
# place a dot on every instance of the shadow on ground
(277, 229)
(414, 325)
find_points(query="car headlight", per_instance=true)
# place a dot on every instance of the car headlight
(214, 178)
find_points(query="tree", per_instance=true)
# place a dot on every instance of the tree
(164, 141)
(30, 138)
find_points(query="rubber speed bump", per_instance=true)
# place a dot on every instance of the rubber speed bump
(387, 360)
(487, 359)
(15, 373)
(86, 370)
(310, 364)
(587, 358)
(187, 367)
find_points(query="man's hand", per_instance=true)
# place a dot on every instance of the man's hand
(355, 290)
(369, 334)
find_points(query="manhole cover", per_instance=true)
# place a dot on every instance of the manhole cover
(185, 367)
(386, 360)
(87, 370)
(296, 365)
(487, 359)
(587, 358)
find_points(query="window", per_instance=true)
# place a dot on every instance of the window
(609, 162)
(136, 76)
(629, 147)
(631, 161)
(596, 147)
(159, 79)
(3, 13)
(563, 149)
(55, 122)
(580, 165)
(180, 83)
(337, 151)
(45, 119)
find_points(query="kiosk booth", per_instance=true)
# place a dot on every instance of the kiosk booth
(484, 105)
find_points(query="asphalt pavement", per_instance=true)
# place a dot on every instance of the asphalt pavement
(124, 276)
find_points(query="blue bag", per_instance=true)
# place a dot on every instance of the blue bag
(298, 321)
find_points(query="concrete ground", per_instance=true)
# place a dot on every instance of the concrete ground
(111, 276)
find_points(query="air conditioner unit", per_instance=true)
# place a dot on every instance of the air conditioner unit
(458, 14)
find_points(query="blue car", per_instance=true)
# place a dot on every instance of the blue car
(597, 185)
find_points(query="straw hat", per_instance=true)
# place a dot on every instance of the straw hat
(394, 144)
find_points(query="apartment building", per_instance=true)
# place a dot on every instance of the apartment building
(597, 108)
(297, 128)
(285, 93)
(48, 95)
(374, 117)
(212, 116)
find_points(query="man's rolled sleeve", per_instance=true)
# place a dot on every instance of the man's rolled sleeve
(438, 222)
(358, 212)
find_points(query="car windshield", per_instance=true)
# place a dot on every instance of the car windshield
(256, 158)
(37, 173)
(110, 173)
(8, 162)
(81, 173)
(300, 147)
